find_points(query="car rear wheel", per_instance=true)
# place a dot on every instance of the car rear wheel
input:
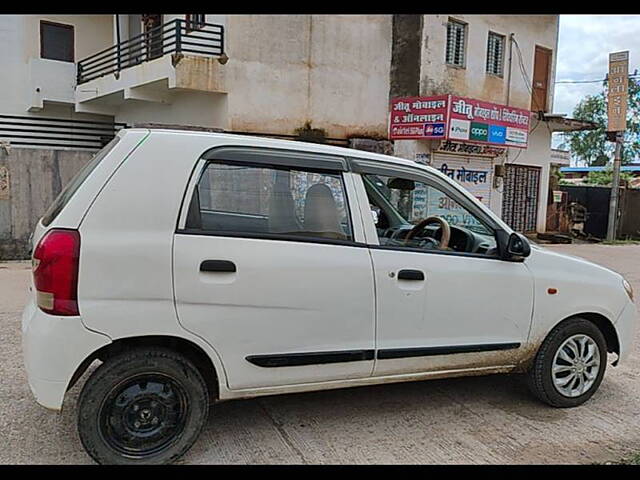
(570, 364)
(146, 406)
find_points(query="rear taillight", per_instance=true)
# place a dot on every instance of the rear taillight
(55, 272)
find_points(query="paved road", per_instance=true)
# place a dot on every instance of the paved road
(490, 419)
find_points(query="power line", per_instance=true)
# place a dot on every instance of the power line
(592, 81)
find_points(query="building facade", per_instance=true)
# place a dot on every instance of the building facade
(489, 65)
(71, 81)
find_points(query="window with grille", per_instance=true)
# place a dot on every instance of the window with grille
(195, 21)
(495, 54)
(456, 33)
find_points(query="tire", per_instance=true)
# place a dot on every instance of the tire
(145, 406)
(540, 376)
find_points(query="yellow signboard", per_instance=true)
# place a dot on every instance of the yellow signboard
(618, 91)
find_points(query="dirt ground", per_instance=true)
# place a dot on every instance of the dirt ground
(477, 420)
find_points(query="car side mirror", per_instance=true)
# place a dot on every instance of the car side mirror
(514, 247)
(518, 246)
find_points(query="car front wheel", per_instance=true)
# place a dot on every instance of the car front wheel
(570, 364)
(146, 406)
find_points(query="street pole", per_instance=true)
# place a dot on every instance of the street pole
(617, 99)
(615, 190)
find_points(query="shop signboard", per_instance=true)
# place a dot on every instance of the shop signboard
(418, 117)
(618, 91)
(450, 117)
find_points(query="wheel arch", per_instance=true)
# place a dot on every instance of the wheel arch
(189, 349)
(608, 330)
(604, 325)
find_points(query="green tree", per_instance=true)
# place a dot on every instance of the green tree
(591, 146)
(605, 177)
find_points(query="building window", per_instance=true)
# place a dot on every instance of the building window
(495, 54)
(456, 38)
(56, 41)
(195, 21)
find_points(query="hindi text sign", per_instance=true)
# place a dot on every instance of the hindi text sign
(449, 117)
(618, 91)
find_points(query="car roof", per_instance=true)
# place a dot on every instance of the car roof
(289, 145)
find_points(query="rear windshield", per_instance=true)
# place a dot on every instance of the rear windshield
(70, 189)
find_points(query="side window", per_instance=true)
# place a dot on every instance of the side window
(399, 207)
(56, 41)
(255, 200)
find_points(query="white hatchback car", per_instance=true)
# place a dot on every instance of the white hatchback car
(201, 267)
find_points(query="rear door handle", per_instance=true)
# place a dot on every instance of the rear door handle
(217, 266)
(410, 275)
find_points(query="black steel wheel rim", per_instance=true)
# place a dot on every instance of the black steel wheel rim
(144, 415)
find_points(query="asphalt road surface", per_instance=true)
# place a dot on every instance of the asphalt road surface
(475, 420)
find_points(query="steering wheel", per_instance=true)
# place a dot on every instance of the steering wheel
(444, 225)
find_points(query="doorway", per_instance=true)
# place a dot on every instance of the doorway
(541, 70)
(520, 197)
(152, 27)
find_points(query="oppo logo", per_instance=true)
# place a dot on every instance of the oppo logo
(479, 131)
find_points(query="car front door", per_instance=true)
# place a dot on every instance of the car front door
(270, 268)
(450, 307)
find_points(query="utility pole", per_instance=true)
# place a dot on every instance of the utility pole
(617, 124)
(615, 190)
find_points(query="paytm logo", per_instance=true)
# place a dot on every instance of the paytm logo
(479, 131)
(459, 129)
(497, 134)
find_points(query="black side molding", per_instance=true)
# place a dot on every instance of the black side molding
(429, 351)
(217, 266)
(318, 358)
(311, 358)
(410, 275)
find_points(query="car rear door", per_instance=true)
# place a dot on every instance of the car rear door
(270, 268)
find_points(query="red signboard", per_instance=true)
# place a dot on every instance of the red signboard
(418, 117)
(458, 118)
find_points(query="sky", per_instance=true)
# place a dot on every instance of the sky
(585, 42)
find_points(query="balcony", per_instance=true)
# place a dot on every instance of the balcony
(151, 66)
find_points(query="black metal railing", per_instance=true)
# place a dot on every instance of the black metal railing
(170, 37)
(56, 132)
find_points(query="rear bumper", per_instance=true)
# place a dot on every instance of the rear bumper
(53, 348)
(626, 325)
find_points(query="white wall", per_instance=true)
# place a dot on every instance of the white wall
(21, 68)
(283, 71)
(184, 108)
(538, 155)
